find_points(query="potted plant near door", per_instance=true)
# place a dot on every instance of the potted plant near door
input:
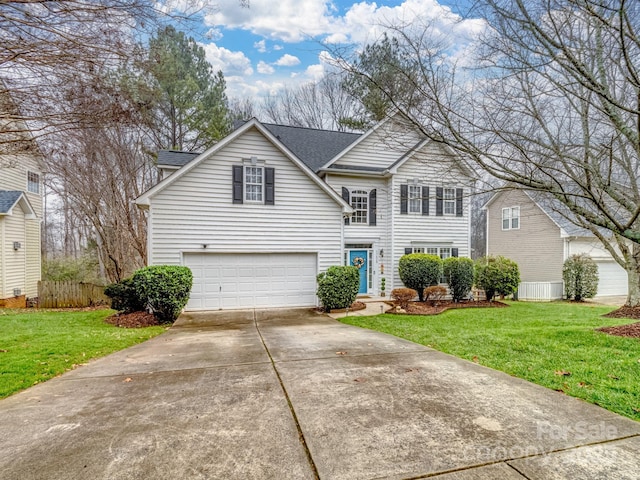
(383, 286)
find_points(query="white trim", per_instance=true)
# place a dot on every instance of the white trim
(145, 198)
(358, 141)
(25, 205)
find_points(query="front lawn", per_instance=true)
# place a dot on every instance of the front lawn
(38, 345)
(551, 344)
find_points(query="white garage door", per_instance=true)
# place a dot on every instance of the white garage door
(246, 280)
(612, 279)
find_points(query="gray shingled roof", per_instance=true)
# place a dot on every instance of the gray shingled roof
(560, 214)
(313, 146)
(175, 158)
(8, 199)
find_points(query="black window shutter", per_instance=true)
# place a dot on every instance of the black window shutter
(372, 207)
(347, 198)
(458, 202)
(439, 195)
(404, 199)
(454, 252)
(237, 183)
(425, 200)
(408, 250)
(269, 186)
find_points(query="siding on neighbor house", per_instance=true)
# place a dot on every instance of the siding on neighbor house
(15, 178)
(197, 209)
(382, 147)
(434, 168)
(14, 261)
(536, 247)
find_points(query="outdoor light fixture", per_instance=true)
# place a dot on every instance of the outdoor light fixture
(17, 292)
(204, 245)
(17, 245)
(381, 253)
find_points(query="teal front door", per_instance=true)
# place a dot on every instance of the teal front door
(360, 259)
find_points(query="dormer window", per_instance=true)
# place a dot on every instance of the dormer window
(33, 182)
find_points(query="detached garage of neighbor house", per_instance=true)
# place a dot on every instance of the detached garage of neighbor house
(253, 222)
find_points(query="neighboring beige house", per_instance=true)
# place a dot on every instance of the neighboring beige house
(539, 238)
(21, 206)
(261, 213)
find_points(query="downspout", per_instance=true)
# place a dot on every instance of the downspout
(3, 263)
(390, 268)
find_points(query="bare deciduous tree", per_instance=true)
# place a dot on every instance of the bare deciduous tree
(549, 102)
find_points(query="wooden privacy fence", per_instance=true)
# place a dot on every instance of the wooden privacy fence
(53, 294)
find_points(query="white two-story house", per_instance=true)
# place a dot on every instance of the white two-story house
(261, 213)
(21, 206)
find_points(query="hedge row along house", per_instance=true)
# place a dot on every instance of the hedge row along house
(261, 213)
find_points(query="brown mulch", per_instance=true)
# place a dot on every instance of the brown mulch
(631, 330)
(132, 320)
(425, 308)
(355, 306)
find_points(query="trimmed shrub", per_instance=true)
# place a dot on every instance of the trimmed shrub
(124, 297)
(497, 276)
(402, 296)
(164, 289)
(580, 275)
(420, 270)
(338, 287)
(459, 274)
(434, 294)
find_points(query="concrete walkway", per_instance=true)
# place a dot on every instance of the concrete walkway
(297, 395)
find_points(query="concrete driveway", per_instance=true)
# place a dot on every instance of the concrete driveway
(292, 394)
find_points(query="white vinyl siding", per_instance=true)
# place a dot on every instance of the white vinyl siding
(14, 262)
(197, 210)
(382, 147)
(433, 166)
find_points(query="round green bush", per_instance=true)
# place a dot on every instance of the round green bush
(338, 286)
(164, 289)
(124, 297)
(420, 270)
(580, 275)
(497, 276)
(459, 273)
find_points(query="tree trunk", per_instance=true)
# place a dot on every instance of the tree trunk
(633, 271)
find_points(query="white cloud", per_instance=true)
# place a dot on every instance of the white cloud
(213, 34)
(278, 47)
(264, 68)
(287, 61)
(261, 46)
(231, 63)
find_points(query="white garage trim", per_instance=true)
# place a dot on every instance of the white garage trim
(224, 281)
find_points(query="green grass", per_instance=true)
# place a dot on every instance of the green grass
(38, 345)
(534, 341)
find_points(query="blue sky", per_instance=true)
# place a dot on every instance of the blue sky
(278, 43)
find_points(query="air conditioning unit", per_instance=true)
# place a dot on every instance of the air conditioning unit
(17, 292)
(17, 245)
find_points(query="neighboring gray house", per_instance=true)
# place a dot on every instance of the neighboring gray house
(531, 231)
(261, 213)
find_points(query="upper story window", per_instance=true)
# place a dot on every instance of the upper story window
(449, 201)
(253, 184)
(415, 198)
(33, 182)
(511, 218)
(360, 205)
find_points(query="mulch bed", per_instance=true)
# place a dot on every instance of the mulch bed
(355, 306)
(132, 320)
(425, 308)
(631, 330)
